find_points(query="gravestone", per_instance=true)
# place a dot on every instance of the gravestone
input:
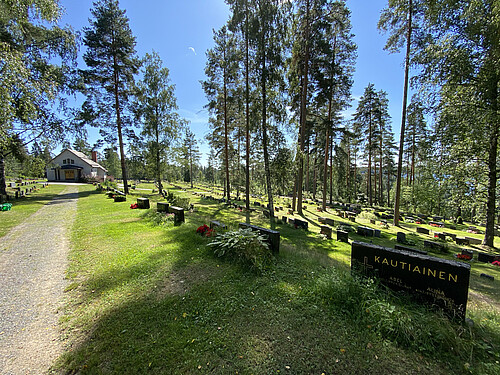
(162, 207)
(401, 237)
(372, 221)
(290, 212)
(422, 230)
(462, 241)
(214, 224)
(143, 203)
(352, 218)
(284, 219)
(485, 258)
(441, 236)
(291, 221)
(273, 236)
(486, 276)
(473, 240)
(327, 231)
(178, 213)
(330, 222)
(301, 224)
(418, 251)
(377, 233)
(468, 252)
(365, 232)
(452, 235)
(435, 245)
(342, 236)
(439, 281)
(322, 220)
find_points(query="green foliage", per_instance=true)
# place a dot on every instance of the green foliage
(345, 228)
(159, 218)
(175, 200)
(244, 245)
(394, 317)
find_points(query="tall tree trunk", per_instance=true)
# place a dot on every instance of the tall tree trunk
(489, 235)
(119, 128)
(3, 182)
(264, 132)
(314, 177)
(158, 158)
(325, 164)
(294, 196)
(247, 115)
(403, 117)
(303, 112)
(370, 200)
(331, 169)
(226, 140)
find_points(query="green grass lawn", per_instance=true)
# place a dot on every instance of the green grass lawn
(153, 299)
(26, 206)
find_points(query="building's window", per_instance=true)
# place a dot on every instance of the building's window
(64, 161)
(72, 161)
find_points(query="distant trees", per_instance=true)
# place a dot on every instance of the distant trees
(191, 153)
(155, 108)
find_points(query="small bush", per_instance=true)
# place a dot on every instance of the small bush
(244, 245)
(345, 228)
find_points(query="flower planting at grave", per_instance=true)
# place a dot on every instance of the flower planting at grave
(496, 263)
(134, 206)
(204, 230)
(464, 256)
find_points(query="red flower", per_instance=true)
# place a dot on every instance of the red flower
(496, 263)
(133, 206)
(203, 229)
(464, 256)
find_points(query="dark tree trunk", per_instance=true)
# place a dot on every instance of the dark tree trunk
(3, 182)
(264, 132)
(403, 117)
(247, 115)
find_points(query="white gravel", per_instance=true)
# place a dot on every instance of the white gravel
(33, 262)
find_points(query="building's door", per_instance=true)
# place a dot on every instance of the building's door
(69, 174)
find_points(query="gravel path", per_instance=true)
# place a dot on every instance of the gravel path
(33, 261)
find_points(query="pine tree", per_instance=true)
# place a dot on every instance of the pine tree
(191, 153)
(112, 63)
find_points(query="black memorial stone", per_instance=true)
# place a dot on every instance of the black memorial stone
(214, 224)
(178, 213)
(365, 232)
(143, 203)
(301, 224)
(422, 230)
(322, 220)
(327, 231)
(473, 240)
(485, 258)
(377, 233)
(329, 221)
(439, 281)
(162, 207)
(435, 246)
(284, 219)
(273, 236)
(401, 237)
(462, 241)
(342, 236)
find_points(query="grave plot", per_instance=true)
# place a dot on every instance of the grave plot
(441, 282)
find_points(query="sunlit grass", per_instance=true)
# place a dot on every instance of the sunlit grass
(153, 299)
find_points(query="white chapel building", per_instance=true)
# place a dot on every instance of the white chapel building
(71, 165)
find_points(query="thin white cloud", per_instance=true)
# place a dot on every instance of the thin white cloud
(192, 50)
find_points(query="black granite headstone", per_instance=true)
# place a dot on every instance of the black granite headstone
(178, 213)
(329, 221)
(485, 258)
(143, 203)
(422, 230)
(162, 207)
(442, 282)
(342, 236)
(272, 235)
(301, 224)
(401, 237)
(327, 231)
(366, 232)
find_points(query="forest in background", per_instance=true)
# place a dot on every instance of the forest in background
(277, 82)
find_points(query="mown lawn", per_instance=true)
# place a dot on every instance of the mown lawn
(154, 300)
(26, 206)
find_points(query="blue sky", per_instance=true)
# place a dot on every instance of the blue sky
(181, 32)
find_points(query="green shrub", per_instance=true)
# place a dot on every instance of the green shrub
(244, 245)
(159, 218)
(367, 215)
(345, 228)
(177, 201)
